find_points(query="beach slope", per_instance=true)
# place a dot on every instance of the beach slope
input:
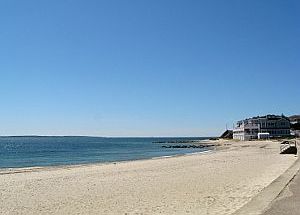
(218, 182)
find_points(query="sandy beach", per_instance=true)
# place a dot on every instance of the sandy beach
(217, 182)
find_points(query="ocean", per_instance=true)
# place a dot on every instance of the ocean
(32, 151)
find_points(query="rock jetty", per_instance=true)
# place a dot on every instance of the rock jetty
(189, 146)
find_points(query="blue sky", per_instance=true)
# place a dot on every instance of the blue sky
(145, 68)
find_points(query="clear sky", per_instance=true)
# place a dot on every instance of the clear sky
(145, 68)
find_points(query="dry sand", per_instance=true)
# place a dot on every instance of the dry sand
(217, 182)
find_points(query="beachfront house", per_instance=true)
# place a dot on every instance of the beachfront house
(267, 126)
(295, 125)
(295, 119)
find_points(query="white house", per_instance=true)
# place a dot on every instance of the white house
(274, 125)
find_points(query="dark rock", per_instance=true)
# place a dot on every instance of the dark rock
(188, 146)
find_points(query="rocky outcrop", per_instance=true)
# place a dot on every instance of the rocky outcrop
(188, 146)
(228, 134)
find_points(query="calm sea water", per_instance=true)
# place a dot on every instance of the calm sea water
(50, 151)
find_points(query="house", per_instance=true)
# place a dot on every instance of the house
(295, 119)
(270, 125)
(295, 125)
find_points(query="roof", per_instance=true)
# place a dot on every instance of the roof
(270, 116)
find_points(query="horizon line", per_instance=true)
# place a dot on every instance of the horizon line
(105, 136)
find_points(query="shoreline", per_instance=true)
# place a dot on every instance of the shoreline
(218, 182)
(160, 152)
(12, 170)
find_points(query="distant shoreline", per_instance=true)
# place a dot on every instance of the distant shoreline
(166, 137)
